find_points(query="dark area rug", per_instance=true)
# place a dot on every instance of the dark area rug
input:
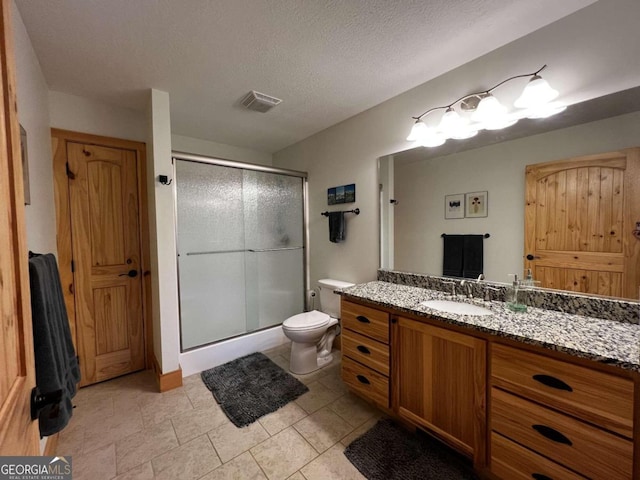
(389, 452)
(250, 387)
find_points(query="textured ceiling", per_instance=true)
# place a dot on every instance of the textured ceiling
(327, 59)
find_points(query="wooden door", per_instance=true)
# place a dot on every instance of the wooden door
(580, 216)
(440, 383)
(18, 433)
(105, 233)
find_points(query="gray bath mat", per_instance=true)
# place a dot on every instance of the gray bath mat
(389, 452)
(250, 387)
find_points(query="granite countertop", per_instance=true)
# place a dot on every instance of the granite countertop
(600, 340)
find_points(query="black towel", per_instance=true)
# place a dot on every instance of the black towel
(336, 227)
(56, 362)
(453, 253)
(472, 256)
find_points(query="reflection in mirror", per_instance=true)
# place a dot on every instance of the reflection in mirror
(414, 184)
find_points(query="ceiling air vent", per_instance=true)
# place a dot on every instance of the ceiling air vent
(259, 101)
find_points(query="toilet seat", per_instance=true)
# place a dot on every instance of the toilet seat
(307, 321)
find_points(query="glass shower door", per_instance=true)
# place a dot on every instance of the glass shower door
(275, 255)
(240, 250)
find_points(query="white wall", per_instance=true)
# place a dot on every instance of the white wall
(164, 279)
(590, 53)
(180, 143)
(500, 170)
(33, 115)
(81, 114)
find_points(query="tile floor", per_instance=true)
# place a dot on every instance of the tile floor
(124, 429)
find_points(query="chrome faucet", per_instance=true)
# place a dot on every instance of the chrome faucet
(467, 285)
(487, 292)
(453, 287)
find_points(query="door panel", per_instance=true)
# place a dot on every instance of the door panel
(105, 229)
(18, 433)
(578, 224)
(105, 203)
(440, 383)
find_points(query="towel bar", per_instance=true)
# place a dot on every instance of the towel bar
(355, 210)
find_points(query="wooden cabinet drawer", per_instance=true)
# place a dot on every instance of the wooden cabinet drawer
(596, 397)
(370, 383)
(586, 449)
(365, 320)
(511, 461)
(366, 351)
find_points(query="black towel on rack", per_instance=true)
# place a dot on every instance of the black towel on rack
(472, 257)
(336, 227)
(453, 252)
(55, 358)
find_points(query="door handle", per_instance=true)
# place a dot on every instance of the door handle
(130, 273)
(532, 257)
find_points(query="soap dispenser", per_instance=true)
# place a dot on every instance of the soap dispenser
(529, 281)
(516, 295)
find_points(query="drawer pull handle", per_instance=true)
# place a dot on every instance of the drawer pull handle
(552, 434)
(552, 382)
(363, 379)
(362, 319)
(363, 349)
(539, 476)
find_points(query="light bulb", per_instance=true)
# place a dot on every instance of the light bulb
(465, 133)
(432, 139)
(451, 121)
(489, 110)
(537, 92)
(546, 110)
(454, 126)
(417, 131)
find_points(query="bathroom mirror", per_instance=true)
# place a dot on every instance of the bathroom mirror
(414, 183)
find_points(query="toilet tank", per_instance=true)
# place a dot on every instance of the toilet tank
(329, 301)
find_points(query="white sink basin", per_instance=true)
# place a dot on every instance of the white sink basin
(456, 307)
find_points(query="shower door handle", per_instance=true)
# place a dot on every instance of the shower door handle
(260, 250)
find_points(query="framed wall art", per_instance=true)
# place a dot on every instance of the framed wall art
(476, 204)
(454, 206)
(25, 165)
(342, 194)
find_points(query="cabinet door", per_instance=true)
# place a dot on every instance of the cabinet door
(440, 383)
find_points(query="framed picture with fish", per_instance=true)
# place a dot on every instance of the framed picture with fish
(454, 206)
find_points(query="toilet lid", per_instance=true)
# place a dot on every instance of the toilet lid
(307, 320)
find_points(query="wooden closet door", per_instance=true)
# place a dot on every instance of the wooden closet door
(18, 433)
(105, 235)
(580, 216)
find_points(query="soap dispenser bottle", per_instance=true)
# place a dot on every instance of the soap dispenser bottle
(516, 295)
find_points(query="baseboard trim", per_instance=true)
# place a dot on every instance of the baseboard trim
(51, 445)
(167, 381)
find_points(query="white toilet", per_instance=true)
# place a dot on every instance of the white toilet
(312, 333)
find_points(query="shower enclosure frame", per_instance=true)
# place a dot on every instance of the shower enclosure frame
(190, 157)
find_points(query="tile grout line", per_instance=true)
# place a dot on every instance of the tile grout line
(258, 463)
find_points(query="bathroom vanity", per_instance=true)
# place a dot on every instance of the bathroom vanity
(538, 395)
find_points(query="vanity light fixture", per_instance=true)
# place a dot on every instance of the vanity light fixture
(486, 112)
